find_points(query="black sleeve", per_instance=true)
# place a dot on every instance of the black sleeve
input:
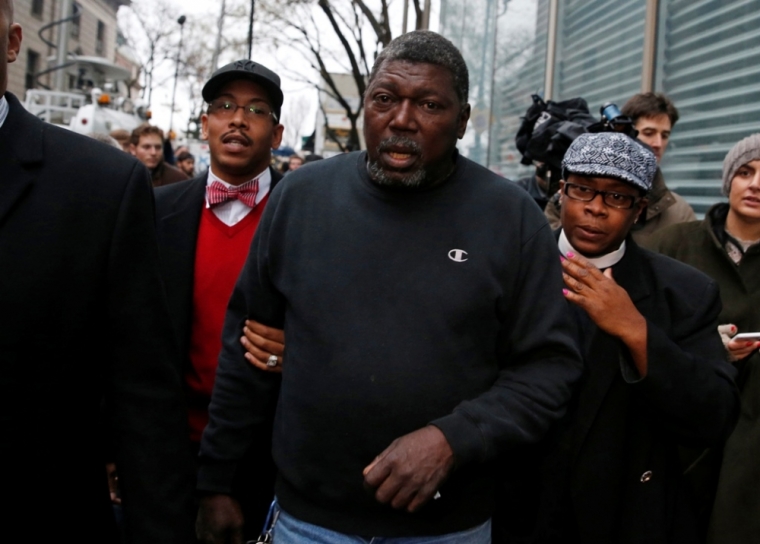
(144, 396)
(689, 387)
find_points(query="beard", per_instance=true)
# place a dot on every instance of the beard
(415, 178)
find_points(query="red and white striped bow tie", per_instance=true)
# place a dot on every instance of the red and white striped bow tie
(246, 193)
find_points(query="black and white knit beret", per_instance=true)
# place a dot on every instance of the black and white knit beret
(610, 155)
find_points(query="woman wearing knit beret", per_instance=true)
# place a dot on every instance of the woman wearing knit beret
(726, 246)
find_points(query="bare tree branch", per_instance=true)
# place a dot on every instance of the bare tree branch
(381, 28)
(359, 37)
(154, 28)
(325, 5)
(386, 23)
(418, 12)
(361, 31)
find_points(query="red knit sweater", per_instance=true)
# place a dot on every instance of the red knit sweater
(220, 253)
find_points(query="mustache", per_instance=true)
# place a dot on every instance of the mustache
(237, 133)
(399, 141)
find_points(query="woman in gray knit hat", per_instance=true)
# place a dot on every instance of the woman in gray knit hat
(726, 246)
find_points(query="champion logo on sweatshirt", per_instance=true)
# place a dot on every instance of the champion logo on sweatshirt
(458, 255)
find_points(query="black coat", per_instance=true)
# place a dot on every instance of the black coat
(178, 214)
(701, 244)
(84, 324)
(626, 479)
(614, 474)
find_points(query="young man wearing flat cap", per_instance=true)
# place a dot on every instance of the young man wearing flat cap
(205, 226)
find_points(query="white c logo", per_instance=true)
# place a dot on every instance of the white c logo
(458, 255)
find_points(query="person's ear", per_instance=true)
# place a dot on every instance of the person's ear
(14, 42)
(464, 116)
(641, 207)
(277, 131)
(204, 126)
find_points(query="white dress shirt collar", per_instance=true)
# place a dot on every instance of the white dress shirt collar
(3, 109)
(605, 261)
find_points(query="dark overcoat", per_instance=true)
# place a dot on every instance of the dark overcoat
(84, 325)
(613, 471)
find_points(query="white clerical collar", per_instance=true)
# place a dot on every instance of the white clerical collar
(3, 109)
(605, 261)
(265, 182)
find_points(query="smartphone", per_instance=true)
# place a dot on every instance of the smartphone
(749, 336)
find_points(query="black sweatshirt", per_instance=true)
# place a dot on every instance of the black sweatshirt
(401, 308)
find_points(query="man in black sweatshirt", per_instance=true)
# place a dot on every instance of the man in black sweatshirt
(427, 334)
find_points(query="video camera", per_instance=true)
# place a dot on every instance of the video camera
(548, 129)
(614, 121)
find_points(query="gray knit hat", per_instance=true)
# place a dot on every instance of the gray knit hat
(610, 155)
(747, 150)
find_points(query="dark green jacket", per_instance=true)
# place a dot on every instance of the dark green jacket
(736, 513)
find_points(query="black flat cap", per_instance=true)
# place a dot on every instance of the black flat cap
(245, 69)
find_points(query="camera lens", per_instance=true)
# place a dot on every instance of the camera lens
(610, 111)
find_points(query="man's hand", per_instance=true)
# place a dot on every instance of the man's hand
(410, 471)
(113, 483)
(260, 343)
(220, 520)
(607, 304)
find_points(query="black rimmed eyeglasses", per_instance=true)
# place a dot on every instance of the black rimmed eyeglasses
(610, 198)
(227, 108)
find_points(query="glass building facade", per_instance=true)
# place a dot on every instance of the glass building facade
(701, 53)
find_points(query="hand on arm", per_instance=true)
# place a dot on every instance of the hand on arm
(260, 342)
(410, 471)
(608, 305)
(220, 520)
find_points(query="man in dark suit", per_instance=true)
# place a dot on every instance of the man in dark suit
(81, 277)
(205, 227)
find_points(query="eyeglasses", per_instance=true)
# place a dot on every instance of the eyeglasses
(227, 108)
(611, 199)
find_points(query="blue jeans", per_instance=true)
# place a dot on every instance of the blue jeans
(289, 530)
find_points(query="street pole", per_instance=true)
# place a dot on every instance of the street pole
(426, 15)
(181, 22)
(218, 46)
(250, 29)
(62, 50)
